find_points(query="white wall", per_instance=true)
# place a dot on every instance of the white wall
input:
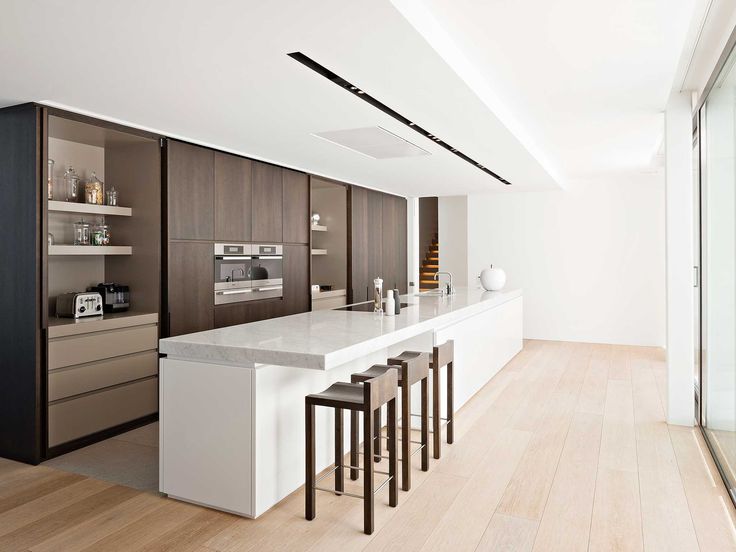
(590, 259)
(452, 222)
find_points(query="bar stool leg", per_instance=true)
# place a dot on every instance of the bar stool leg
(425, 425)
(368, 471)
(339, 453)
(309, 491)
(377, 433)
(436, 420)
(450, 409)
(406, 436)
(354, 444)
(393, 487)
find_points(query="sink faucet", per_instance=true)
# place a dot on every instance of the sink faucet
(449, 289)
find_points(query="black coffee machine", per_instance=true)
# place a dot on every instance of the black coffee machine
(115, 297)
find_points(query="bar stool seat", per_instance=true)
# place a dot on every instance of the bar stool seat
(411, 371)
(442, 355)
(366, 398)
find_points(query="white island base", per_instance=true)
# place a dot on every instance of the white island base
(232, 428)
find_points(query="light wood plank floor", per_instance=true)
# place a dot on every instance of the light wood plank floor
(565, 449)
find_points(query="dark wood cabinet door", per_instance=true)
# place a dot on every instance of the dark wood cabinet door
(267, 203)
(190, 287)
(389, 247)
(402, 269)
(296, 279)
(374, 233)
(296, 213)
(358, 245)
(233, 198)
(190, 191)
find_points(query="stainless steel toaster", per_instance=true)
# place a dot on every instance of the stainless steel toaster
(77, 305)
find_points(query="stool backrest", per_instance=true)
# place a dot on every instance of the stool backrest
(444, 354)
(381, 389)
(416, 368)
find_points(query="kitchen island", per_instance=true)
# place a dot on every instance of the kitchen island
(232, 399)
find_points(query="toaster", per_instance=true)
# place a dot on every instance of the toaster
(115, 297)
(78, 305)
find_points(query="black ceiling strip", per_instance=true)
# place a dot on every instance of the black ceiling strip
(316, 67)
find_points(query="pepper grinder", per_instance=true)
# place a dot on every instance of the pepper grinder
(390, 308)
(397, 301)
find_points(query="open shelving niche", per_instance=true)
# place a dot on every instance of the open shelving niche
(131, 163)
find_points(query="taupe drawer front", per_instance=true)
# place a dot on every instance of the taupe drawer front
(69, 351)
(87, 414)
(67, 382)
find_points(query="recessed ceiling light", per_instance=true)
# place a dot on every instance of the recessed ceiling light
(337, 79)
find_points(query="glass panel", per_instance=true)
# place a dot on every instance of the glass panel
(719, 271)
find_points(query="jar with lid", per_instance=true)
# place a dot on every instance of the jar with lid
(71, 185)
(112, 196)
(50, 180)
(81, 233)
(101, 234)
(93, 190)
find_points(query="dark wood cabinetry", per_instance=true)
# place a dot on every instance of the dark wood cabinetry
(296, 213)
(267, 203)
(190, 286)
(296, 279)
(377, 242)
(233, 198)
(190, 190)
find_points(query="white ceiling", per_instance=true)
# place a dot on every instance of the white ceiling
(577, 88)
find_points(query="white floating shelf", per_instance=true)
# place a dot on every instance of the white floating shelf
(87, 208)
(319, 252)
(318, 228)
(90, 250)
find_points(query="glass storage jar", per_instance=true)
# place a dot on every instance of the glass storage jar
(101, 234)
(93, 192)
(81, 233)
(71, 185)
(50, 180)
(112, 196)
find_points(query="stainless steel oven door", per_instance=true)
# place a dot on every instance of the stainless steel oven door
(267, 266)
(232, 265)
(225, 293)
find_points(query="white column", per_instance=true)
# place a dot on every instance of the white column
(680, 313)
(412, 249)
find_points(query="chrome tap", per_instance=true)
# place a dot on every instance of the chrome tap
(449, 288)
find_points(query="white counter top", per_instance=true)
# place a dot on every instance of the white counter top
(322, 340)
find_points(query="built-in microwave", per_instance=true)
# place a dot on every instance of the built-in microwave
(247, 272)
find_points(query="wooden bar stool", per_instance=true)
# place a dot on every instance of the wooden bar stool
(410, 371)
(442, 355)
(365, 398)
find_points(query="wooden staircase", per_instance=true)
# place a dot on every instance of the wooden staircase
(430, 265)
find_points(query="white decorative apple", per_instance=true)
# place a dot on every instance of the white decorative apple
(492, 279)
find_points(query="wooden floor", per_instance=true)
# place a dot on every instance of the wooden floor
(565, 449)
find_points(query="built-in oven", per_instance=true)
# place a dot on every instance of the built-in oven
(247, 272)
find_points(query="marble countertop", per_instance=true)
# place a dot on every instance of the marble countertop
(322, 340)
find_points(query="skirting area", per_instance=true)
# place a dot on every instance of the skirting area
(565, 449)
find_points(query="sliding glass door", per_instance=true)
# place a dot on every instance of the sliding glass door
(718, 278)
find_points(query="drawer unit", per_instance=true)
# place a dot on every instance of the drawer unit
(77, 417)
(75, 380)
(68, 351)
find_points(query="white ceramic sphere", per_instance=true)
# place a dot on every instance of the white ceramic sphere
(493, 279)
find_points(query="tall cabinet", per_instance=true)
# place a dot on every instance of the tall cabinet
(378, 242)
(69, 383)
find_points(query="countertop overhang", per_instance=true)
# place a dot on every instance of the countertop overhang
(322, 340)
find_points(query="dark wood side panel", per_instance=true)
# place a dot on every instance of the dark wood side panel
(267, 203)
(190, 182)
(296, 211)
(389, 246)
(296, 279)
(190, 285)
(20, 287)
(233, 198)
